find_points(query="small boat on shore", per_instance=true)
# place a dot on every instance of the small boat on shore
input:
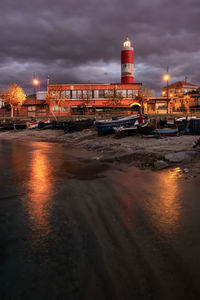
(37, 124)
(33, 125)
(78, 125)
(165, 131)
(19, 126)
(125, 131)
(107, 126)
(6, 126)
(145, 128)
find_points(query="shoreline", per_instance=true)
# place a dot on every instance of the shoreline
(143, 152)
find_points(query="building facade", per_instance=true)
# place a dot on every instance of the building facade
(178, 89)
(179, 101)
(69, 98)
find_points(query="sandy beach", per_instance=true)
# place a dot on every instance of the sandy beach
(144, 152)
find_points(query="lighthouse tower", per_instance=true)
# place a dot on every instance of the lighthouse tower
(127, 67)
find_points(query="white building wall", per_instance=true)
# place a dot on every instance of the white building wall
(41, 95)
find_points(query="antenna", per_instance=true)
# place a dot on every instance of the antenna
(48, 81)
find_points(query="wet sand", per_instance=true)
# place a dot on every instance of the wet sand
(143, 152)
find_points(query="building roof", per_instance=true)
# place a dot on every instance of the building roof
(180, 84)
(34, 102)
(95, 83)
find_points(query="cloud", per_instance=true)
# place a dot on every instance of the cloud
(80, 41)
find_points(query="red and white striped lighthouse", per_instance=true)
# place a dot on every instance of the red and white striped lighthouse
(127, 67)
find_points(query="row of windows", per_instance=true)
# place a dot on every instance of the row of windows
(89, 94)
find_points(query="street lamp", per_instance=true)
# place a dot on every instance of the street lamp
(166, 77)
(35, 84)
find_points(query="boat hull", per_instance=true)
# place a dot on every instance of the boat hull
(120, 131)
(108, 126)
(165, 131)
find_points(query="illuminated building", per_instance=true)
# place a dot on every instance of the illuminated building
(69, 98)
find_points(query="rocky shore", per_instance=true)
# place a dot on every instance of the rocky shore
(144, 152)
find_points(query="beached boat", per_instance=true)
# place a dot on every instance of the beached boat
(189, 125)
(6, 126)
(19, 126)
(107, 126)
(146, 128)
(165, 131)
(33, 125)
(37, 123)
(125, 131)
(78, 125)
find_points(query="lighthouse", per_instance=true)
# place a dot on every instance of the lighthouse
(127, 58)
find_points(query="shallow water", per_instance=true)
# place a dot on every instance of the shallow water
(71, 229)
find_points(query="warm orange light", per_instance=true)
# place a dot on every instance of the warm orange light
(166, 77)
(171, 95)
(127, 43)
(164, 92)
(35, 81)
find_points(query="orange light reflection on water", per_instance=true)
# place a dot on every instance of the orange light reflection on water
(40, 189)
(165, 208)
(153, 194)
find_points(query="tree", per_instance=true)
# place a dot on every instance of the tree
(85, 97)
(14, 97)
(58, 95)
(114, 98)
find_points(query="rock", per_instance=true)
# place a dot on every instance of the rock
(160, 164)
(180, 156)
(96, 158)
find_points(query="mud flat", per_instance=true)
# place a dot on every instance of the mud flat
(144, 152)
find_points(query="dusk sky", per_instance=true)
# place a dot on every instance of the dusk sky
(80, 41)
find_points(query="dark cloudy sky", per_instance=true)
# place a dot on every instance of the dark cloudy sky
(80, 40)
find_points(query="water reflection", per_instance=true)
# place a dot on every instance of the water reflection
(166, 207)
(158, 197)
(40, 189)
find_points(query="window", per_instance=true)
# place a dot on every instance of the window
(87, 94)
(73, 94)
(101, 93)
(79, 94)
(31, 108)
(108, 93)
(121, 93)
(95, 93)
(67, 94)
(132, 93)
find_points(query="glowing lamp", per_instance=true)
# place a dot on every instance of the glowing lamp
(35, 81)
(166, 77)
(127, 43)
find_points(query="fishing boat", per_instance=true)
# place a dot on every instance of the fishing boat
(33, 125)
(36, 124)
(146, 128)
(125, 131)
(165, 131)
(107, 126)
(19, 126)
(6, 126)
(78, 125)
